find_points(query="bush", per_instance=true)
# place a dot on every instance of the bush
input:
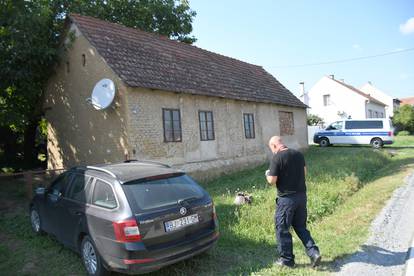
(403, 133)
(314, 120)
(404, 118)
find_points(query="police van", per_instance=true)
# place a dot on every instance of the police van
(374, 132)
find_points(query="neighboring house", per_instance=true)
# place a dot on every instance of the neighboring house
(332, 100)
(392, 103)
(174, 103)
(409, 100)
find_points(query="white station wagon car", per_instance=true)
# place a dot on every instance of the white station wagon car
(376, 132)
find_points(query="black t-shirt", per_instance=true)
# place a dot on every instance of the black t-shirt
(288, 166)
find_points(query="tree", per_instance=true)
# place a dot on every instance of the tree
(403, 118)
(314, 120)
(29, 37)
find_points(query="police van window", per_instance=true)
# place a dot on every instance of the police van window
(363, 124)
(335, 126)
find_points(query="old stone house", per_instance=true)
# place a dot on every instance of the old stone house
(175, 103)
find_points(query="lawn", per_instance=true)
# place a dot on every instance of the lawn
(347, 187)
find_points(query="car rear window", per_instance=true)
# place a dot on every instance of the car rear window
(363, 124)
(158, 193)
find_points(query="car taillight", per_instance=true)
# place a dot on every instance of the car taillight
(126, 231)
(389, 133)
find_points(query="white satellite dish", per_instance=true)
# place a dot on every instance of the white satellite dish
(103, 94)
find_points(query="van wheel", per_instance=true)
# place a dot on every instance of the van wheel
(376, 143)
(324, 142)
(91, 259)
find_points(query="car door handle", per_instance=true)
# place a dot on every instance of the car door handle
(78, 213)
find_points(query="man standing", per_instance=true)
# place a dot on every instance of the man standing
(287, 171)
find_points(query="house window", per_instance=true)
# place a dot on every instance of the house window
(369, 113)
(248, 125)
(326, 100)
(172, 125)
(381, 115)
(376, 114)
(206, 125)
(286, 123)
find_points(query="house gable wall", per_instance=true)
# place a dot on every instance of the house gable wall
(77, 133)
(342, 100)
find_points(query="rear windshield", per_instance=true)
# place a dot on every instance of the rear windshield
(363, 124)
(158, 193)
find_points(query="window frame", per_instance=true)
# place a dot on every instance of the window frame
(250, 124)
(328, 99)
(205, 112)
(171, 110)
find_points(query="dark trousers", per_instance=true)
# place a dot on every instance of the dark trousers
(291, 211)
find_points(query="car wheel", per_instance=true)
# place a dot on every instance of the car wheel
(324, 142)
(35, 221)
(91, 259)
(377, 143)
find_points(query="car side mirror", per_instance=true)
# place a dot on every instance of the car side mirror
(41, 191)
(55, 196)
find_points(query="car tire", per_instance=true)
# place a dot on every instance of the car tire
(324, 142)
(35, 221)
(377, 143)
(91, 259)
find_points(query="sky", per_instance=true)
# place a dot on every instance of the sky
(278, 34)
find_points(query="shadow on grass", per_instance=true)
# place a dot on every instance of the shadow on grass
(368, 254)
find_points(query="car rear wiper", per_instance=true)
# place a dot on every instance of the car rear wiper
(187, 199)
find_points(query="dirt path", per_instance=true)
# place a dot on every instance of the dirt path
(387, 249)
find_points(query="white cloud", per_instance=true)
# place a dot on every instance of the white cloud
(407, 27)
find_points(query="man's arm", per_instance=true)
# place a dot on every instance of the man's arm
(304, 168)
(271, 179)
(273, 171)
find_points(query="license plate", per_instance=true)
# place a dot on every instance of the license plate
(180, 223)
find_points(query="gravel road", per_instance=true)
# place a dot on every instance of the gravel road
(387, 249)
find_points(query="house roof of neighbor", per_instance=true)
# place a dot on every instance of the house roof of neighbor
(409, 100)
(148, 60)
(370, 98)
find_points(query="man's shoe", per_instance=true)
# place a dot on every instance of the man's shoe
(281, 262)
(316, 259)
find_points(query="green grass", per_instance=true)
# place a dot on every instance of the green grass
(347, 187)
(404, 141)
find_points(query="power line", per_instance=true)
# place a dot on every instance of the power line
(346, 60)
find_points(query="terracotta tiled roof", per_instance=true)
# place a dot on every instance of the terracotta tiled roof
(152, 61)
(371, 99)
(409, 100)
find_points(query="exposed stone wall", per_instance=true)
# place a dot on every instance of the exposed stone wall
(228, 152)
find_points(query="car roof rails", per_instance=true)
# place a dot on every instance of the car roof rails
(147, 162)
(101, 170)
